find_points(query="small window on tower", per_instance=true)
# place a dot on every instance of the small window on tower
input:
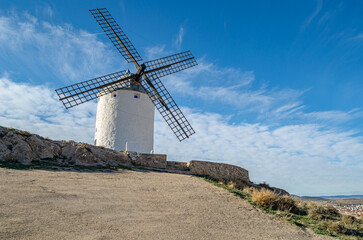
(137, 95)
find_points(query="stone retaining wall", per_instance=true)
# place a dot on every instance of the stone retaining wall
(23, 147)
(219, 171)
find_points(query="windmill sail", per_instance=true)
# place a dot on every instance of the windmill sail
(79, 93)
(116, 35)
(167, 107)
(170, 64)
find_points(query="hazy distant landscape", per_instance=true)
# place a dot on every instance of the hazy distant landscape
(345, 204)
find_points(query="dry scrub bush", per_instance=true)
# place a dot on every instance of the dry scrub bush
(349, 220)
(336, 227)
(269, 199)
(320, 212)
(248, 190)
(231, 184)
(352, 223)
(264, 197)
(302, 206)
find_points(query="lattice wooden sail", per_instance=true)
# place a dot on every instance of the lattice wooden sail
(115, 34)
(79, 93)
(171, 64)
(167, 107)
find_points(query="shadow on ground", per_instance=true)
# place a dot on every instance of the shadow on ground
(51, 166)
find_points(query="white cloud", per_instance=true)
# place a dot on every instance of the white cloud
(229, 86)
(60, 50)
(179, 38)
(37, 109)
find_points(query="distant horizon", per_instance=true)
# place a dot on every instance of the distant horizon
(335, 196)
(277, 89)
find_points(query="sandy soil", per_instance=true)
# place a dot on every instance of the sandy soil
(40, 204)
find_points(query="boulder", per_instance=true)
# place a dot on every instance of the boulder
(22, 152)
(42, 148)
(89, 155)
(4, 150)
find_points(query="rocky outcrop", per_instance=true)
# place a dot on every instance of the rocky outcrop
(23, 147)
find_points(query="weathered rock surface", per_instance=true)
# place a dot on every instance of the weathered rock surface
(181, 166)
(148, 160)
(219, 171)
(23, 147)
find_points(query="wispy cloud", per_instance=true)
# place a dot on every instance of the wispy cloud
(228, 86)
(68, 54)
(358, 36)
(179, 38)
(154, 52)
(45, 9)
(334, 115)
(318, 7)
(237, 89)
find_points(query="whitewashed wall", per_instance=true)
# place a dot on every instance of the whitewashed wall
(125, 119)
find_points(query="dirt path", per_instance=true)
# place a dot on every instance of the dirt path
(41, 204)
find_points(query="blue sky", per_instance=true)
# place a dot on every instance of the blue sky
(278, 89)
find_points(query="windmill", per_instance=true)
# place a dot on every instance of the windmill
(126, 101)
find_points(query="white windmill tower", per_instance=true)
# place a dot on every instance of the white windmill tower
(126, 101)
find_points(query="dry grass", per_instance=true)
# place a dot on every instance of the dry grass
(269, 199)
(333, 227)
(320, 212)
(248, 190)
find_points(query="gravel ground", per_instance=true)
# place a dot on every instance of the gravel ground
(41, 204)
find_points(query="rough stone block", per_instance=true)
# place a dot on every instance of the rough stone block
(148, 160)
(181, 166)
(219, 171)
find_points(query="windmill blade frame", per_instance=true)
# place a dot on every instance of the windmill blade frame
(171, 64)
(79, 93)
(116, 35)
(167, 107)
